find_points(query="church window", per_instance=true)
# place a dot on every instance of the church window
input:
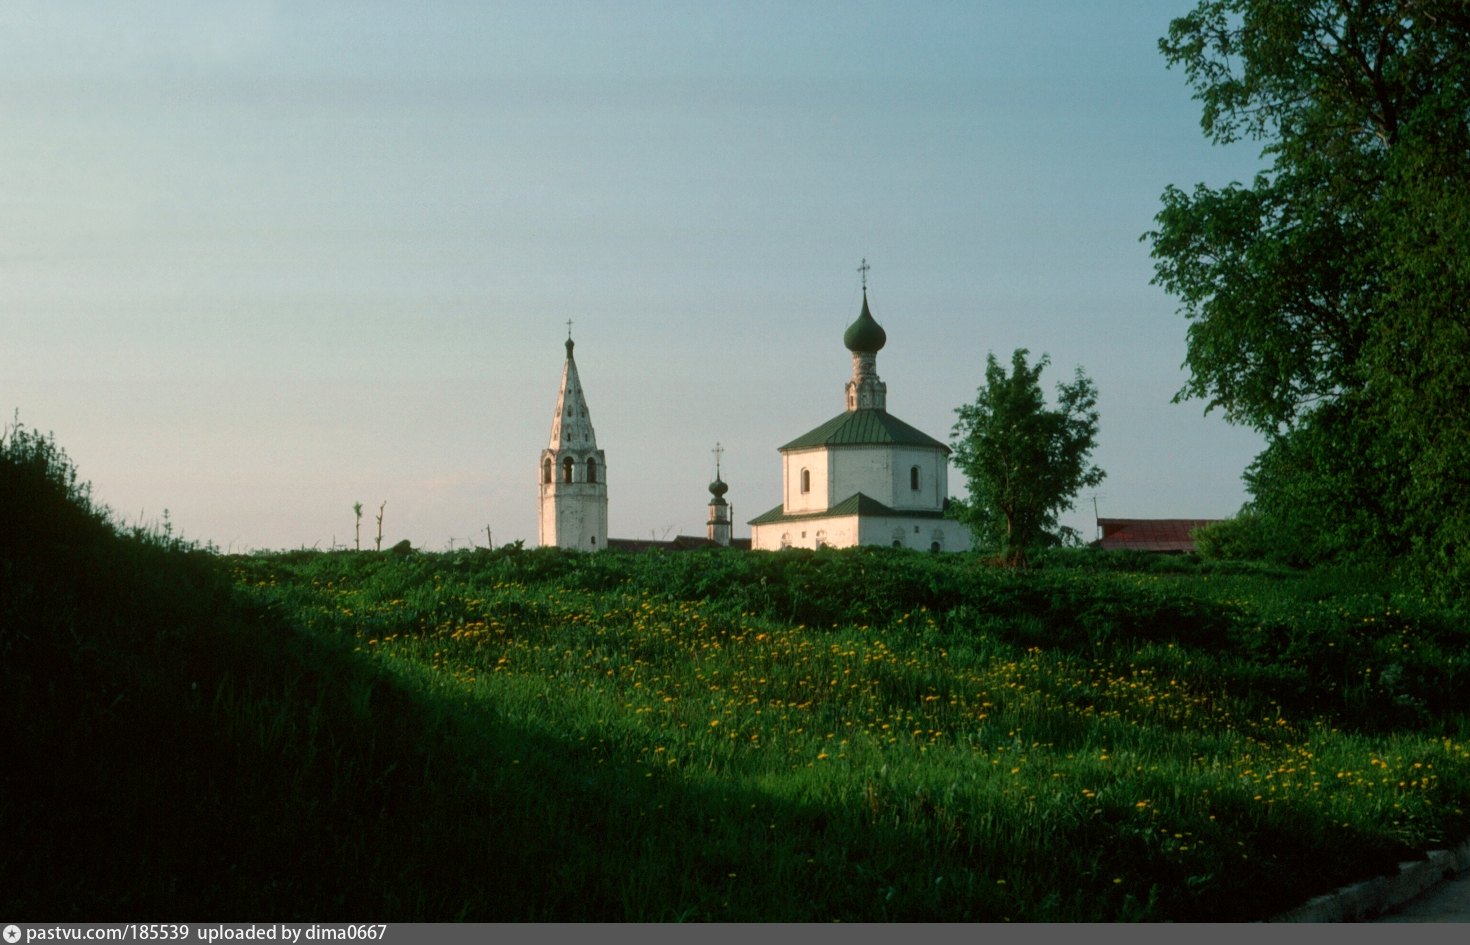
(591, 469)
(566, 469)
(806, 480)
(546, 471)
(914, 478)
(594, 539)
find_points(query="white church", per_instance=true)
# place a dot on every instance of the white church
(862, 478)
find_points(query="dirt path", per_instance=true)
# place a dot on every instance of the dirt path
(1448, 902)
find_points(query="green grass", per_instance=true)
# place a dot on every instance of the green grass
(859, 736)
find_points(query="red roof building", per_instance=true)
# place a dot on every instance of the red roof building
(1170, 535)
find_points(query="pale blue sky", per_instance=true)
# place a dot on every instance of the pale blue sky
(259, 261)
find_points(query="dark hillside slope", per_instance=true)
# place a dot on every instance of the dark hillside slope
(166, 751)
(172, 755)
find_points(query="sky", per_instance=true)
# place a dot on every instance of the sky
(262, 260)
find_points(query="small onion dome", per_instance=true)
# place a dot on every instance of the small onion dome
(865, 335)
(718, 488)
(570, 345)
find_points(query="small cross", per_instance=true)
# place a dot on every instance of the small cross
(569, 328)
(864, 270)
(717, 451)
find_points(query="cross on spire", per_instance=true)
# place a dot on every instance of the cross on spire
(864, 270)
(569, 328)
(717, 451)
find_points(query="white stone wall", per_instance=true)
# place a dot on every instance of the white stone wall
(838, 532)
(920, 534)
(574, 515)
(880, 472)
(883, 473)
(818, 498)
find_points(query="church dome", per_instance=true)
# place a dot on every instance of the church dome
(718, 488)
(865, 335)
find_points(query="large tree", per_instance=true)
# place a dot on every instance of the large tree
(1024, 461)
(1329, 300)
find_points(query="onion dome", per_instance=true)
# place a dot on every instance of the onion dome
(718, 487)
(865, 335)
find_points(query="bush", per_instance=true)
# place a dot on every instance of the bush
(1242, 538)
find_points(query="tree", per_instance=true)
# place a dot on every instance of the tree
(1024, 462)
(1329, 300)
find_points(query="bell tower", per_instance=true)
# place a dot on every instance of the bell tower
(573, 470)
(718, 527)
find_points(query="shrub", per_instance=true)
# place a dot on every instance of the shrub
(1242, 538)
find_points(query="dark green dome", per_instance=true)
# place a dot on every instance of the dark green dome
(718, 487)
(865, 335)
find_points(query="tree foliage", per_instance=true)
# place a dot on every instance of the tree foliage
(1329, 299)
(1024, 461)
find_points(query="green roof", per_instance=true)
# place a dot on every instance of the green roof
(856, 504)
(866, 427)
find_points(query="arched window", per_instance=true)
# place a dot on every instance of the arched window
(914, 478)
(566, 469)
(591, 469)
(806, 480)
(546, 471)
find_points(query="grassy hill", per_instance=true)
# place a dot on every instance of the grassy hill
(538, 735)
